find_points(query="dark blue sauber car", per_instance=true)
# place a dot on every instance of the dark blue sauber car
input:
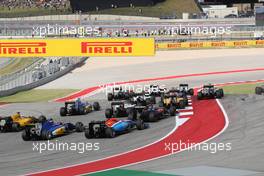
(49, 129)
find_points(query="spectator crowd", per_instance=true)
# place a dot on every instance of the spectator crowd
(56, 4)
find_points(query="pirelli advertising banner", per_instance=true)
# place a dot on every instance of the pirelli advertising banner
(77, 47)
(216, 44)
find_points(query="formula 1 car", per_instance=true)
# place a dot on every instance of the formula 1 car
(210, 91)
(119, 94)
(17, 122)
(78, 107)
(182, 91)
(259, 90)
(155, 90)
(120, 109)
(184, 88)
(143, 99)
(153, 114)
(48, 129)
(112, 127)
(173, 100)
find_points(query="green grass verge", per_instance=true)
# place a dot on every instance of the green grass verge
(167, 8)
(37, 95)
(241, 89)
(26, 12)
(16, 65)
(122, 172)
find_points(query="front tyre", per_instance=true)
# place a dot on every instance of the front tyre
(79, 127)
(63, 111)
(26, 135)
(110, 133)
(96, 106)
(108, 113)
(258, 90)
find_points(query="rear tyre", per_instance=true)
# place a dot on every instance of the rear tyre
(200, 96)
(79, 127)
(48, 135)
(42, 119)
(191, 92)
(63, 111)
(110, 96)
(218, 94)
(26, 135)
(140, 125)
(108, 113)
(221, 92)
(87, 134)
(172, 111)
(110, 133)
(153, 117)
(96, 106)
(258, 90)
(132, 114)
(182, 104)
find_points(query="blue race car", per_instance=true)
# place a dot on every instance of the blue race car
(49, 129)
(112, 127)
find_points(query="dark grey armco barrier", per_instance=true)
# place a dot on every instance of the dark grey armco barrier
(42, 81)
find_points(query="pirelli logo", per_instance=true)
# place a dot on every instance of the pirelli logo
(107, 47)
(23, 48)
(71, 47)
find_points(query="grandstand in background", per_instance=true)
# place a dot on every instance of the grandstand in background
(84, 5)
(227, 2)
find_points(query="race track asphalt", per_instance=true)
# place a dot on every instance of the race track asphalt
(245, 133)
(17, 157)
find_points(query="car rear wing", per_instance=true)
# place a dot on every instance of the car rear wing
(140, 107)
(117, 103)
(184, 85)
(208, 86)
(69, 102)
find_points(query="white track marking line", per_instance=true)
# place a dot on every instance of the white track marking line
(185, 113)
(188, 108)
